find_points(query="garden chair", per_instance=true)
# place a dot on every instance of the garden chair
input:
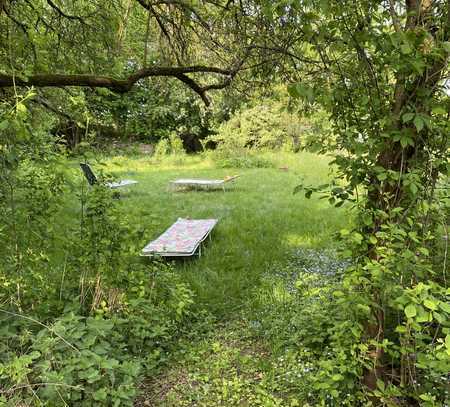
(92, 179)
(182, 239)
(202, 183)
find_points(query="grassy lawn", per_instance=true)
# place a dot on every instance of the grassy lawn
(260, 219)
(261, 222)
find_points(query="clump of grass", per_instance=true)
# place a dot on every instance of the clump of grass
(239, 158)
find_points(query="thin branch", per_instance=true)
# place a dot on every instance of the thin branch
(394, 16)
(39, 100)
(41, 324)
(62, 14)
(165, 33)
(182, 5)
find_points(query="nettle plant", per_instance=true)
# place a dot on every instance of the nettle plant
(384, 68)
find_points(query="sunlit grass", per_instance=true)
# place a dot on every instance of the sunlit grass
(260, 219)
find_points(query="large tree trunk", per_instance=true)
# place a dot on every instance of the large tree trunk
(407, 97)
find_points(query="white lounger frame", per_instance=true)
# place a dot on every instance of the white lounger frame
(201, 183)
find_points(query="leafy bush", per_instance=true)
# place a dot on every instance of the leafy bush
(82, 317)
(86, 360)
(314, 321)
(170, 148)
(262, 126)
(269, 123)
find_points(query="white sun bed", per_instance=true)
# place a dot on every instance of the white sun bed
(202, 183)
(119, 184)
(92, 179)
(182, 239)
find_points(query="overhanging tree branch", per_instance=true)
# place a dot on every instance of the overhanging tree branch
(122, 85)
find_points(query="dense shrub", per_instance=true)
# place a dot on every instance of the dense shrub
(87, 359)
(312, 318)
(264, 125)
(171, 145)
(269, 123)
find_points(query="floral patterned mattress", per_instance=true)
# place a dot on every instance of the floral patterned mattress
(181, 239)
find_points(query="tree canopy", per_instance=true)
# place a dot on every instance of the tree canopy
(92, 44)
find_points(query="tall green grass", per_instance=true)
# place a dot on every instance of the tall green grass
(260, 220)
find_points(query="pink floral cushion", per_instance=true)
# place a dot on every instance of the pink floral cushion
(183, 237)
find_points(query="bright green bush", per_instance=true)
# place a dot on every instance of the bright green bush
(268, 124)
(87, 360)
(313, 320)
(265, 125)
(170, 148)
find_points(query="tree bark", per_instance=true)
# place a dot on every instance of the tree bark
(397, 158)
(121, 85)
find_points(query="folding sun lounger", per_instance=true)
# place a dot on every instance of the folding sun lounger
(92, 179)
(182, 239)
(202, 183)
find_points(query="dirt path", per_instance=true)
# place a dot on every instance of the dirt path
(227, 368)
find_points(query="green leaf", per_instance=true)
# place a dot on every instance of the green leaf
(438, 317)
(4, 125)
(423, 316)
(367, 219)
(439, 110)
(410, 311)
(431, 304)
(380, 384)
(405, 48)
(419, 123)
(382, 176)
(405, 141)
(407, 117)
(357, 237)
(426, 397)
(445, 306)
(413, 188)
(21, 108)
(100, 395)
